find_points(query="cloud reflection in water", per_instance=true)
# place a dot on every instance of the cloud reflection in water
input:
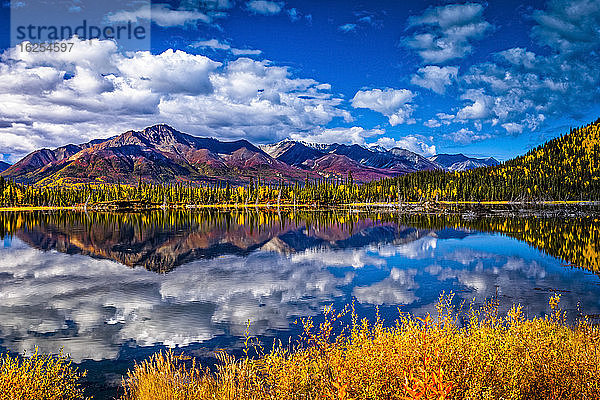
(92, 307)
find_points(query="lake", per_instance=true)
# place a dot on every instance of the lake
(111, 288)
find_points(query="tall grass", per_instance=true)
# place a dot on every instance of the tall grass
(39, 377)
(460, 354)
(489, 357)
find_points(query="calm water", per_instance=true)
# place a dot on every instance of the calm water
(110, 288)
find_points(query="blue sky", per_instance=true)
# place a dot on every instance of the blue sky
(483, 79)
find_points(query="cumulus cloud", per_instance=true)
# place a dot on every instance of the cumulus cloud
(445, 33)
(435, 78)
(396, 104)
(432, 123)
(352, 135)
(265, 7)
(512, 127)
(569, 26)
(415, 143)
(466, 136)
(520, 89)
(48, 100)
(480, 107)
(441, 119)
(169, 72)
(44, 295)
(397, 289)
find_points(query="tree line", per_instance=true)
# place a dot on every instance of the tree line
(565, 168)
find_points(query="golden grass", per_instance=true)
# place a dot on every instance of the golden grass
(39, 377)
(493, 357)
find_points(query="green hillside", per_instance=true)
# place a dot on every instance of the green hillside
(565, 168)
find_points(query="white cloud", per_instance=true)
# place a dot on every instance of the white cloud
(480, 107)
(347, 27)
(512, 127)
(245, 52)
(466, 136)
(432, 123)
(170, 72)
(265, 7)
(393, 103)
(444, 117)
(415, 143)
(161, 15)
(296, 15)
(50, 100)
(353, 135)
(110, 304)
(212, 43)
(519, 89)
(435, 78)
(569, 25)
(398, 288)
(217, 45)
(364, 19)
(446, 32)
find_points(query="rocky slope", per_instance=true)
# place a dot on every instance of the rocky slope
(162, 154)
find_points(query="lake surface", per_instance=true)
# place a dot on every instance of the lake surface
(111, 288)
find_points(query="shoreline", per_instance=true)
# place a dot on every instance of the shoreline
(427, 206)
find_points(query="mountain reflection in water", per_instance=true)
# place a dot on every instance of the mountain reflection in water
(160, 241)
(201, 275)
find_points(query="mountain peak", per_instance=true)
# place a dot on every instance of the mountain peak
(377, 148)
(460, 162)
(160, 133)
(164, 154)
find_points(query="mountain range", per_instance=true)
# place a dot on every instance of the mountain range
(460, 162)
(4, 166)
(160, 153)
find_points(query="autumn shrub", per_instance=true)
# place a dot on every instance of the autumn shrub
(39, 377)
(486, 357)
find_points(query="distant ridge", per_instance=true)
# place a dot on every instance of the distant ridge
(162, 154)
(566, 168)
(4, 166)
(460, 162)
(392, 162)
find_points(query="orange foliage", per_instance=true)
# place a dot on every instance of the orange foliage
(492, 357)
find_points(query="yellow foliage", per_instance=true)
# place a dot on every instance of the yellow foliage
(39, 377)
(491, 357)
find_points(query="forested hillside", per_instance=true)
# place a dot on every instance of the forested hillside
(565, 168)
